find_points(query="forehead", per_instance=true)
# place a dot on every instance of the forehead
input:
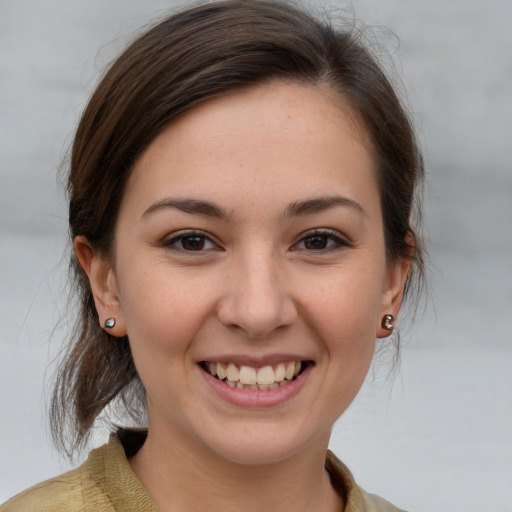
(271, 139)
(315, 113)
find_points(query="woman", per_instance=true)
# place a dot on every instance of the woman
(241, 188)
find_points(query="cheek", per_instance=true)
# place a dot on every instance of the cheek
(348, 303)
(162, 318)
(344, 312)
(163, 310)
(347, 330)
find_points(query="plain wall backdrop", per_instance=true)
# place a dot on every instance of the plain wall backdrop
(440, 437)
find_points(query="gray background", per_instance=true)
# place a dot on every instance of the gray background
(440, 437)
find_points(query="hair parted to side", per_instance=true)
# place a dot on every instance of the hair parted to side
(186, 59)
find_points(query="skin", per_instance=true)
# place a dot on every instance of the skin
(280, 275)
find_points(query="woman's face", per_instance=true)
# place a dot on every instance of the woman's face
(250, 245)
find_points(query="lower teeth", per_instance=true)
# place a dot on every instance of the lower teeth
(255, 387)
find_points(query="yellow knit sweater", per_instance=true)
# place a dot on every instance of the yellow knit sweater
(105, 482)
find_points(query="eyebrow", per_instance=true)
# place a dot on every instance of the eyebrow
(319, 204)
(209, 209)
(193, 206)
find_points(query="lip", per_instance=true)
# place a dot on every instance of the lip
(256, 398)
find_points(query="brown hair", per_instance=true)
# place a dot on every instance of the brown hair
(189, 58)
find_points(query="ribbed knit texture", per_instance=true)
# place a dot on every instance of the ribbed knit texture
(105, 482)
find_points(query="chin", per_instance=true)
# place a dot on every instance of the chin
(258, 446)
(255, 454)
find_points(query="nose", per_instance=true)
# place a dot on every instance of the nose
(257, 300)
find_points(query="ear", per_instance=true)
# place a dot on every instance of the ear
(103, 285)
(392, 294)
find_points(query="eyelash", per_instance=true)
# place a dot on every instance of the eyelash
(329, 236)
(184, 235)
(337, 241)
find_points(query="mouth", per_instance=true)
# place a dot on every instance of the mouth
(265, 378)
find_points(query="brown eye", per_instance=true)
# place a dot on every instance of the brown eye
(193, 243)
(321, 241)
(190, 242)
(316, 242)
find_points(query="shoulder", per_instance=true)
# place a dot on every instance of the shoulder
(62, 493)
(356, 499)
(375, 503)
(105, 482)
(65, 493)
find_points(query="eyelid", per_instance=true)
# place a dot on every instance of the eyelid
(342, 240)
(170, 240)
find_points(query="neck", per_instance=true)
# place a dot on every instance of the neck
(173, 472)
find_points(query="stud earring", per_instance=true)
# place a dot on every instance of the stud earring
(109, 323)
(388, 322)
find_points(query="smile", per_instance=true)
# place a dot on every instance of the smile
(257, 379)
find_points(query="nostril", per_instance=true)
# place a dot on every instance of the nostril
(258, 316)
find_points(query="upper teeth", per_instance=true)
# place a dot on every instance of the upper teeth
(247, 375)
